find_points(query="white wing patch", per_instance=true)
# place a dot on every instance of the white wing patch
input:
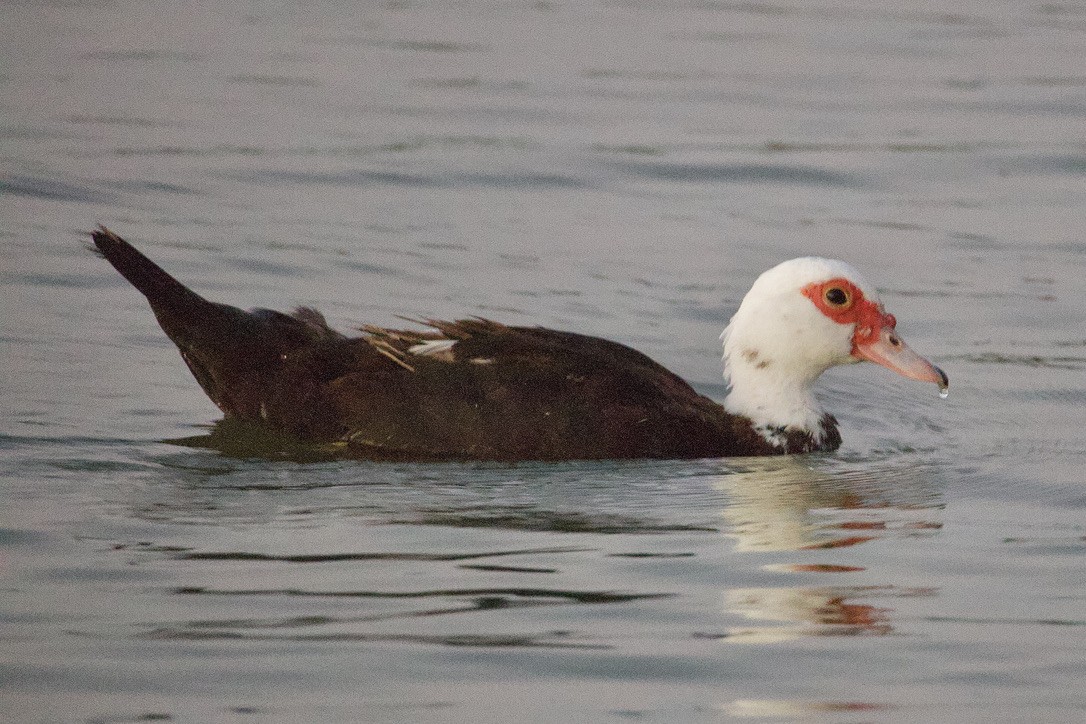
(434, 348)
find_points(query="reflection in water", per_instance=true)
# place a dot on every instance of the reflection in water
(790, 503)
(816, 611)
(808, 504)
(797, 516)
(242, 439)
(759, 708)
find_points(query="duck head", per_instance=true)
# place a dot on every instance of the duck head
(800, 318)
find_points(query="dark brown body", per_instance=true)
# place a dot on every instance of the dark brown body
(501, 393)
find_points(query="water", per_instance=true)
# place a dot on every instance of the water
(621, 169)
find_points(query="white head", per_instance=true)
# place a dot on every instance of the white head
(799, 319)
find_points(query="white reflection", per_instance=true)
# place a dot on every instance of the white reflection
(768, 708)
(808, 506)
(787, 504)
(819, 611)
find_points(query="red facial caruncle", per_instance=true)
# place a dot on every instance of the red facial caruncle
(843, 302)
(874, 337)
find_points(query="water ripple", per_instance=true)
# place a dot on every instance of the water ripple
(509, 180)
(488, 593)
(531, 518)
(1059, 362)
(744, 173)
(336, 557)
(52, 190)
(548, 640)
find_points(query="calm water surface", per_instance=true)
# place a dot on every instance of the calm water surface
(621, 169)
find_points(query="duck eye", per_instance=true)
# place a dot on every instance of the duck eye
(836, 296)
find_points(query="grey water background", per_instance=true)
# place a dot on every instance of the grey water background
(624, 169)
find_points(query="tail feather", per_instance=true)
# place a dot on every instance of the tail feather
(233, 354)
(163, 291)
(229, 351)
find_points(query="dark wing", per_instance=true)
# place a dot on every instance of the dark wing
(476, 389)
(471, 389)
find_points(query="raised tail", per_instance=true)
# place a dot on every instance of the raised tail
(162, 290)
(232, 353)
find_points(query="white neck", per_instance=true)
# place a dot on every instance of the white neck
(771, 370)
(771, 399)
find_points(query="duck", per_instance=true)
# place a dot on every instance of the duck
(479, 390)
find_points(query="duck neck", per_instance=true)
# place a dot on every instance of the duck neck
(782, 408)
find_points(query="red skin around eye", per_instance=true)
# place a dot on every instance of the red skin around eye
(868, 317)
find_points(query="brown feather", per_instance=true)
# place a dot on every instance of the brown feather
(540, 395)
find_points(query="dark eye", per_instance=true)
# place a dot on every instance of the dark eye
(836, 296)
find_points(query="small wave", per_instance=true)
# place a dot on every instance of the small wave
(1060, 362)
(1007, 621)
(359, 177)
(17, 537)
(216, 151)
(52, 190)
(437, 46)
(141, 186)
(274, 80)
(492, 595)
(530, 518)
(1068, 164)
(555, 640)
(138, 55)
(744, 173)
(384, 556)
(107, 120)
